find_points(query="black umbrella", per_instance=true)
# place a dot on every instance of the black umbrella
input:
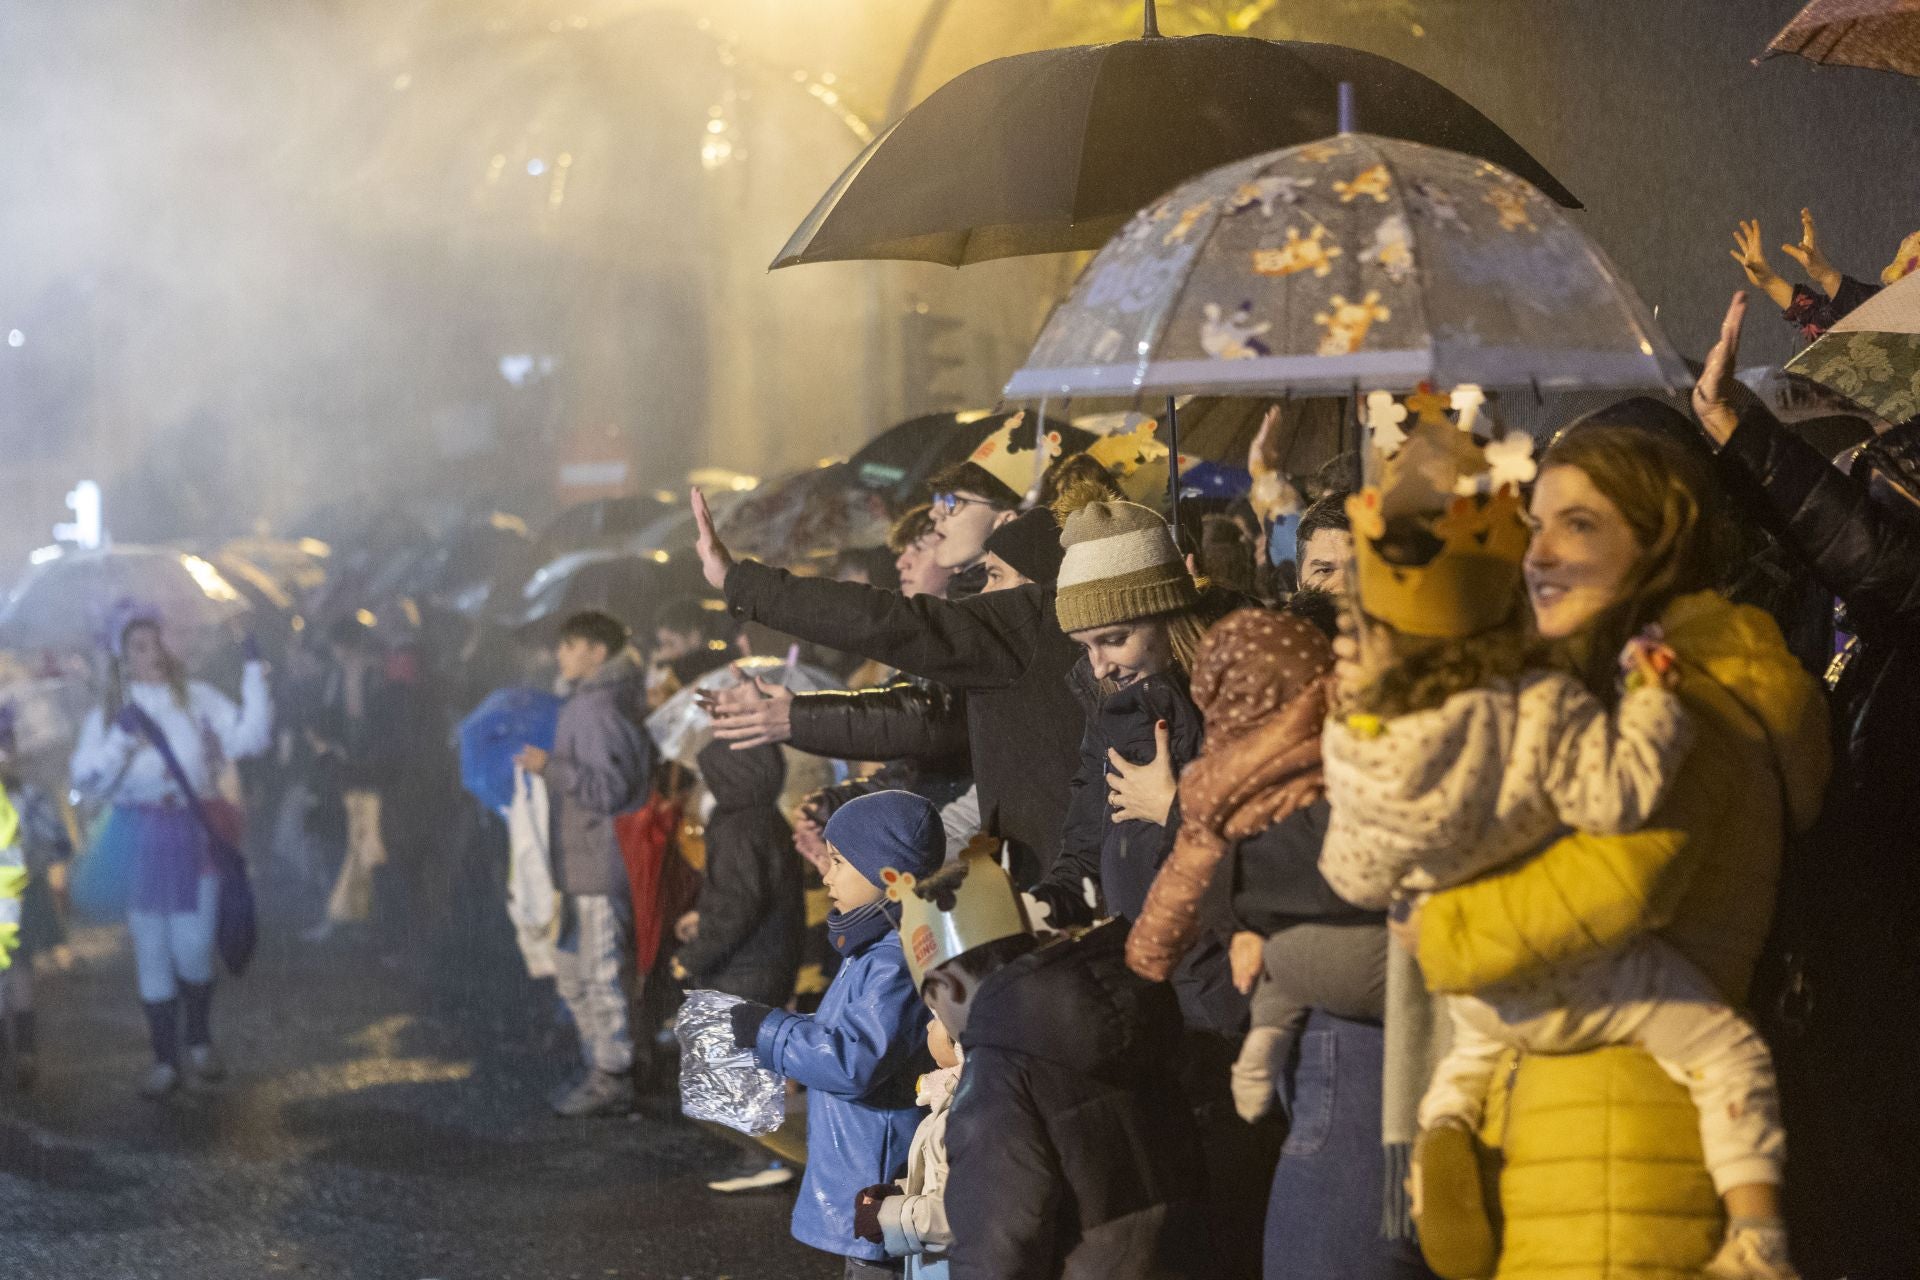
(1052, 151)
(900, 460)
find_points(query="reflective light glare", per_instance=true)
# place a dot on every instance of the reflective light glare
(536, 167)
(208, 579)
(15, 338)
(41, 555)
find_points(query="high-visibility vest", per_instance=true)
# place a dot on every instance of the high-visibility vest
(13, 878)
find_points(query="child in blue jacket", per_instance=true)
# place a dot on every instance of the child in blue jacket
(860, 1052)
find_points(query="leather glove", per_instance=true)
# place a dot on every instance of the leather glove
(747, 1017)
(866, 1212)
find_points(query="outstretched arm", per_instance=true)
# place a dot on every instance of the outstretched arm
(1868, 557)
(984, 643)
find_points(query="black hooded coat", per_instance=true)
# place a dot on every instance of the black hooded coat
(751, 905)
(1071, 1149)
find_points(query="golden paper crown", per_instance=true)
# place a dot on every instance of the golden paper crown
(1451, 567)
(1137, 461)
(1008, 456)
(966, 904)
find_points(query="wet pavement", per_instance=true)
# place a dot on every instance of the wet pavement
(385, 1118)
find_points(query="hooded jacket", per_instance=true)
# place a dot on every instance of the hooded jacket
(1071, 1149)
(752, 905)
(600, 766)
(1003, 650)
(859, 1055)
(1603, 1177)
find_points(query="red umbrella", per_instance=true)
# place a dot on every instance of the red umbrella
(1882, 35)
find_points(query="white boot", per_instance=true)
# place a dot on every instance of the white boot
(1752, 1253)
(162, 1078)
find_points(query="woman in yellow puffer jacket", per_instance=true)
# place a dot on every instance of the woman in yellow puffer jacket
(1601, 1176)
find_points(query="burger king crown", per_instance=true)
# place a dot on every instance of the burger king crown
(1007, 455)
(966, 904)
(1458, 498)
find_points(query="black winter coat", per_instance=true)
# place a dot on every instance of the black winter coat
(918, 728)
(1071, 1149)
(1869, 557)
(1004, 650)
(752, 906)
(903, 720)
(1850, 890)
(1273, 879)
(1121, 859)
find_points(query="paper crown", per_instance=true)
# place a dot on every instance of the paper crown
(1008, 455)
(1137, 461)
(966, 904)
(1438, 541)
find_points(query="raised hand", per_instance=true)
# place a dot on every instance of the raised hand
(1753, 260)
(1808, 254)
(1719, 398)
(715, 559)
(753, 714)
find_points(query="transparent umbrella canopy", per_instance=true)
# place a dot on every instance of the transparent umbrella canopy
(1353, 263)
(66, 604)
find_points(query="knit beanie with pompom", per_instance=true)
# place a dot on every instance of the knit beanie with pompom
(1121, 563)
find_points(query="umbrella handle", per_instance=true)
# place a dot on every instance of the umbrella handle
(1173, 460)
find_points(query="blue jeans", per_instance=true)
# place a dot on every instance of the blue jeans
(1323, 1219)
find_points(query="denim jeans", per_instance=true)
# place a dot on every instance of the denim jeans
(1323, 1219)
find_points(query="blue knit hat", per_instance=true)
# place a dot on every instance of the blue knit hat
(883, 829)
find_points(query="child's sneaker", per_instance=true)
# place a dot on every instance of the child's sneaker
(1450, 1204)
(754, 1176)
(600, 1093)
(204, 1066)
(162, 1078)
(1752, 1252)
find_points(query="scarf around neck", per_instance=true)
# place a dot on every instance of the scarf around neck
(852, 932)
(1264, 681)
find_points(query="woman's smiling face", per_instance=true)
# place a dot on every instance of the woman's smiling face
(1127, 652)
(1582, 552)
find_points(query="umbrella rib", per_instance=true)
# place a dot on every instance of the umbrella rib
(1405, 211)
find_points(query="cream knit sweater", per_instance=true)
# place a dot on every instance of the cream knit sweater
(1440, 796)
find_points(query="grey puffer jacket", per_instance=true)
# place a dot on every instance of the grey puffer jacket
(601, 765)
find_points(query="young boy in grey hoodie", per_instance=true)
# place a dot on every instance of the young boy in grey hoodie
(600, 767)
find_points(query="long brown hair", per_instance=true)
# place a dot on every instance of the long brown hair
(1666, 489)
(116, 693)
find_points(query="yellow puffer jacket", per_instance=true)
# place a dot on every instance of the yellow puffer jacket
(1602, 1174)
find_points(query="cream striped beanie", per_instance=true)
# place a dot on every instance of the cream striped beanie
(1121, 563)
